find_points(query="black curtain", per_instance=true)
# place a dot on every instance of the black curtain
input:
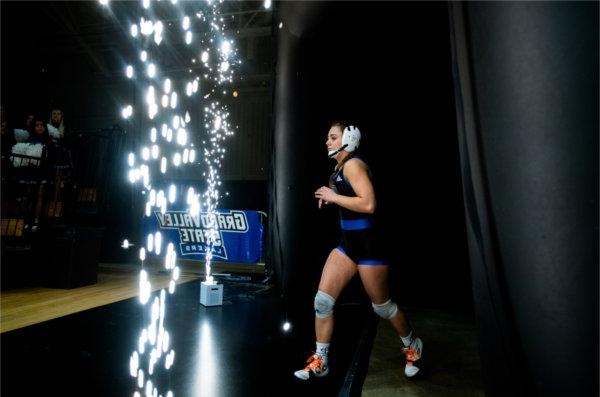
(526, 83)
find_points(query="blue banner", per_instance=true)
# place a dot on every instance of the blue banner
(239, 234)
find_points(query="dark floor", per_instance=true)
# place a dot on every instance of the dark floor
(451, 366)
(238, 349)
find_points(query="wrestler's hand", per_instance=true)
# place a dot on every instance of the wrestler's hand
(325, 195)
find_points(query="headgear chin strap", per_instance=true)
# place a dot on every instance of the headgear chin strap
(334, 152)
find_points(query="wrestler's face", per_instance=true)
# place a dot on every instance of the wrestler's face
(334, 139)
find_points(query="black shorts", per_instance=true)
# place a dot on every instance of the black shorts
(361, 247)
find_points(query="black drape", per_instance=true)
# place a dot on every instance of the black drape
(526, 85)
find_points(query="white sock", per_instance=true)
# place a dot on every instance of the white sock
(407, 340)
(323, 351)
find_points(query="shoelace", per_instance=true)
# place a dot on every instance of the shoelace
(315, 363)
(411, 353)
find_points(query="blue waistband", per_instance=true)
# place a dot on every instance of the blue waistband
(357, 224)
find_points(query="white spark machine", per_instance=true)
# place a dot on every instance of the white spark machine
(211, 294)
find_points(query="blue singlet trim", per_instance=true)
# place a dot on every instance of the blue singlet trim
(357, 224)
(369, 262)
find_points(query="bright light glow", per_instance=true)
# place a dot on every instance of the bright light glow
(125, 244)
(142, 254)
(134, 30)
(181, 136)
(140, 378)
(224, 66)
(146, 3)
(152, 110)
(151, 70)
(172, 193)
(127, 111)
(186, 23)
(165, 343)
(150, 96)
(186, 156)
(150, 243)
(188, 37)
(158, 241)
(143, 56)
(146, 27)
(204, 57)
(190, 196)
(158, 29)
(267, 4)
(149, 388)
(104, 2)
(187, 117)
(226, 48)
(129, 71)
(165, 101)
(171, 286)
(134, 363)
(192, 155)
(280, 25)
(286, 326)
(189, 89)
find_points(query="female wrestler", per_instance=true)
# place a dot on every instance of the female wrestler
(350, 188)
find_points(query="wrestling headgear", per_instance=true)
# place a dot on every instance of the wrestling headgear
(350, 140)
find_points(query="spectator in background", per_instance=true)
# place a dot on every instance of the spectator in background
(29, 120)
(56, 126)
(22, 133)
(38, 132)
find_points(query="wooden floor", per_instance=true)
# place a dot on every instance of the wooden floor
(26, 306)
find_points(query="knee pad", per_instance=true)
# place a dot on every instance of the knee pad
(385, 310)
(324, 305)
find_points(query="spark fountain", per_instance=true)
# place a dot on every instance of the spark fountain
(171, 141)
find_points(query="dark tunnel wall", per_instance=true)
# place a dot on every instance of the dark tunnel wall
(527, 103)
(386, 67)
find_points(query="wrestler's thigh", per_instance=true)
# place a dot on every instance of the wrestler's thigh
(337, 272)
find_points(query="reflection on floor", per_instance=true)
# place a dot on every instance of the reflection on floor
(238, 349)
(450, 355)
